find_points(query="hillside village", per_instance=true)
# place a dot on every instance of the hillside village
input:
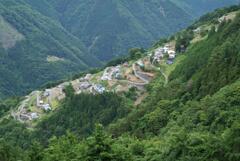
(119, 79)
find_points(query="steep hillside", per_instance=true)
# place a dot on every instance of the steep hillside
(108, 28)
(27, 40)
(190, 109)
(217, 57)
(137, 23)
(48, 40)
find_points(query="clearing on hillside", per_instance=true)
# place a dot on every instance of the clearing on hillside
(9, 36)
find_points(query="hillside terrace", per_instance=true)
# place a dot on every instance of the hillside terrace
(118, 79)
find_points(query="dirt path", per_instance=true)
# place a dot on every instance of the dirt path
(16, 115)
(21, 109)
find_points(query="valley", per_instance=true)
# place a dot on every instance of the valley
(45, 41)
(176, 100)
(135, 74)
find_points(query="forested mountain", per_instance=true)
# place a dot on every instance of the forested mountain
(108, 28)
(36, 49)
(137, 23)
(49, 40)
(191, 111)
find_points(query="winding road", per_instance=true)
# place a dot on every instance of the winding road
(141, 75)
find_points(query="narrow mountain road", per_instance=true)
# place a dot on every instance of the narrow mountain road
(21, 109)
(144, 77)
(16, 115)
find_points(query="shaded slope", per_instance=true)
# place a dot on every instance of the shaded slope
(214, 62)
(27, 59)
(108, 28)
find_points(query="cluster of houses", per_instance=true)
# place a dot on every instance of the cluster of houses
(29, 116)
(98, 88)
(44, 99)
(80, 85)
(41, 104)
(86, 86)
(162, 51)
(25, 114)
(112, 73)
(92, 88)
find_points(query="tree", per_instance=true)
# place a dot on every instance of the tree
(36, 152)
(232, 140)
(9, 152)
(99, 146)
(136, 53)
(63, 149)
(183, 40)
(69, 91)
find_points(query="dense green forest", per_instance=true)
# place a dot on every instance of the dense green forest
(48, 40)
(195, 117)
(45, 50)
(137, 23)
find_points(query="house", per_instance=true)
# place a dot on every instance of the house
(183, 48)
(34, 116)
(158, 54)
(165, 49)
(46, 107)
(159, 50)
(99, 88)
(118, 76)
(116, 72)
(84, 85)
(24, 117)
(158, 57)
(41, 102)
(47, 92)
(82, 79)
(171, 54)
(106, 77)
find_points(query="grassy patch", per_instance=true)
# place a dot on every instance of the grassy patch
(54, 104)
(167, 69)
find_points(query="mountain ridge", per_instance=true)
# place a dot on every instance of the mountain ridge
(194, 115)
(79, 35)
